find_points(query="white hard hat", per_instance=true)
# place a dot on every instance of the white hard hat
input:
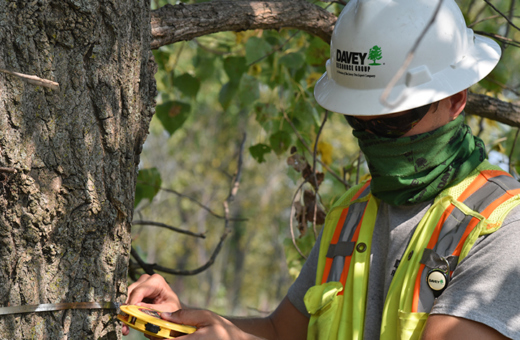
(369, 45)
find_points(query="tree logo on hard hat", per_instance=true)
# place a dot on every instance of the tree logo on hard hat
(375, 54)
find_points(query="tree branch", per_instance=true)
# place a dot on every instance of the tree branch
(163, 225)
(494, 109)
(185, 22)
(149, 268)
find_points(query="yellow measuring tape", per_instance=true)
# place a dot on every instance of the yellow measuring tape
(148, 321)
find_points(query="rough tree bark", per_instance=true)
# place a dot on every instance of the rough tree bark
(68, 158)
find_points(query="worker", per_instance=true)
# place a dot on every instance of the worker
(426, 248)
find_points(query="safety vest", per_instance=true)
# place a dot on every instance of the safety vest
(458, 216)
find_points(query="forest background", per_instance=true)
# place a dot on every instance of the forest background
(231, 150)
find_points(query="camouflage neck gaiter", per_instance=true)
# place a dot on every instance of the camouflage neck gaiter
(415, 169)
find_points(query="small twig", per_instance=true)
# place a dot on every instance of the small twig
(163, 225)
(316, 147)
(193, 200)
(148, 269)
(480, 126)
(177, 56)
(505, 87)
(470, 6)
(336, 176)
(501, 38)
(474, 23)
(407, 62)
(480, 12)
(34, 80)
(502, 14)
(236, 178)
(358, 167)
(8, 170)
(293, 237)
(314, 173)
(511, 152)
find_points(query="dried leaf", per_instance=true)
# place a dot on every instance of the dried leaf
(298, 162)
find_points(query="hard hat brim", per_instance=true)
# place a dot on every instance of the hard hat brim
(477, 63)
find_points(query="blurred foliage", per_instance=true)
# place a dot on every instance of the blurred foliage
(212, 90)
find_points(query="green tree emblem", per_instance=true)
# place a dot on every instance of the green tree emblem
(375, 54)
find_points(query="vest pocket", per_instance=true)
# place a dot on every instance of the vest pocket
(411, 325)
(324, 304)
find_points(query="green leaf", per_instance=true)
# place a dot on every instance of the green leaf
(204, 65)
(292, 61)
(249, 90)
(187, 84)
(317, 53)
(227, 93)
(280, 142)
(266, 114)
(172, 115)
(256, 48)
(235, 67)
(148, 183)
(258, 152)
(161, 58)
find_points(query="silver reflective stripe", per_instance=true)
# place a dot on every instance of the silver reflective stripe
(352, 220)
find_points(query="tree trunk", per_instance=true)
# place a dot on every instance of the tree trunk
(68, 158)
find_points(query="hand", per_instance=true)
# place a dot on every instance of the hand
(209, 325)
(153, 292)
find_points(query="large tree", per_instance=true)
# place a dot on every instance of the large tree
(69, 155)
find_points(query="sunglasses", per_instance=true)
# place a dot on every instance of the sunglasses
(390, 127)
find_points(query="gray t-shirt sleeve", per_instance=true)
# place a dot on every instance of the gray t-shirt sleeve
(485, 285)
(305, 280)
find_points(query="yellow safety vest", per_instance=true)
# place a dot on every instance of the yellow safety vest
(460, 214)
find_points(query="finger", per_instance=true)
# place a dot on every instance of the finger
(191, 317)
(141, 279)
(149, 288)
(156, 307)
(126, 330)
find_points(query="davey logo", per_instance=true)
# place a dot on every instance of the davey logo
(347, 61)
(436, 281)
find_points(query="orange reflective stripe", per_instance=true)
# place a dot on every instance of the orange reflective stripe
(486, 213)
(356, 196)
(494, 173)
(335, 238)
(337, 233)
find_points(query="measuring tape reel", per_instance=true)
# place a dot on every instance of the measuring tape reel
(148, 321)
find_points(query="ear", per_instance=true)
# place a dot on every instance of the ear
(457, 103)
